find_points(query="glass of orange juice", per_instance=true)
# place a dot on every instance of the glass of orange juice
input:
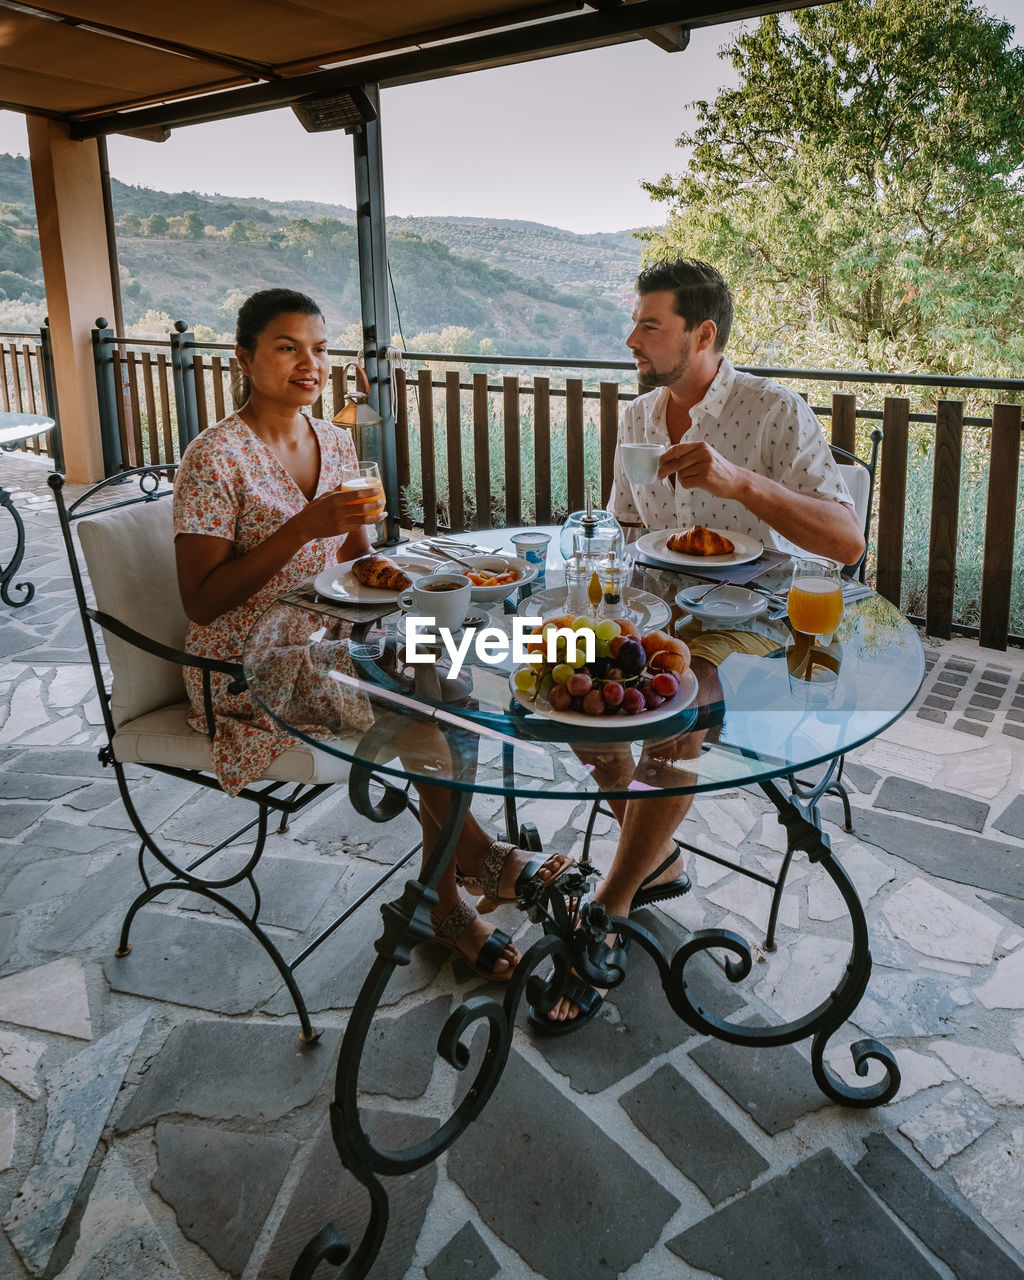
(361, 481)
(815, 601)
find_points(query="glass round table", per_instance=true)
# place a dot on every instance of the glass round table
(445, 712)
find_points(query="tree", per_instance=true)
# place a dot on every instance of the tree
(155, 225)
(862, 187)
(195, 228)
(130, 224)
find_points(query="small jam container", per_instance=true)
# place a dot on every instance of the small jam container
(533, 547)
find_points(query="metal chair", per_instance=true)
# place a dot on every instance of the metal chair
(859, 476)
(124, 528)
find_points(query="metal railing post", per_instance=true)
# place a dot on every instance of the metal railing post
(103, 339)
(49, 382)
(185, 400)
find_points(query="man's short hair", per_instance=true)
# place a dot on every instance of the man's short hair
(700, 292)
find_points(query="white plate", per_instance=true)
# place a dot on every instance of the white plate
(684, 695)
(338, 582)
(655, 546)
(475, 618)
(652, 612)
(723, 604)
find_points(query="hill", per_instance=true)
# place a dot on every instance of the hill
(529, 289)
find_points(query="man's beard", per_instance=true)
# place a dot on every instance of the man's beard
(653, 378)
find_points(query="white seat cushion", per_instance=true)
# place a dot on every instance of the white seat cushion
(130, 557)
(163, 737)
(858, 482)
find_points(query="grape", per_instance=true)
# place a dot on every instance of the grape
(613, 693)
(579, 684)
(526, 680)
(593, 703)
(562, 674)
(666, 684)
(652, 699)
(607, 630)
(614, 673)
(601, 649)
(633, 701)
(584, 623)
(631, 657)
(559, 698)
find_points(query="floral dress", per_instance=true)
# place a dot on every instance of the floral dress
(231, 485)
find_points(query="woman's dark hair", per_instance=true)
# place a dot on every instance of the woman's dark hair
(700, 292)
(255, 313)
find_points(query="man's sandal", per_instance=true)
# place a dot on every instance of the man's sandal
(450, 929)
(489, 879)
(649, 893)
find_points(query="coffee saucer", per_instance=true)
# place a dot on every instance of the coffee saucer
(475, 618)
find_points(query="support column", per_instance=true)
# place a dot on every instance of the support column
(373, 292)
(68, 184)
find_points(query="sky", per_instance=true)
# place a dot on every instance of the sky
(563, 141)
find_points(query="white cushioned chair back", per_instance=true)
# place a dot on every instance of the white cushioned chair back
(859, 484)
(130, 556)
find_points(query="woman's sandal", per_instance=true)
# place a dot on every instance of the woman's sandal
(489, 879)
(649, 893)
(448, 931)
(583, 995)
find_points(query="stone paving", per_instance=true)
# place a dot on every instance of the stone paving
(159, 1118)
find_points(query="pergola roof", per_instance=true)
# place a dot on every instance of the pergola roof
(119, 66)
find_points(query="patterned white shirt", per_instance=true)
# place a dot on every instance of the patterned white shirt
(754, 423)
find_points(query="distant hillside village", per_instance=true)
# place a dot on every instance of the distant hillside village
(460, 284)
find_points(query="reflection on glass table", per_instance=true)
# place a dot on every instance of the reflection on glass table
(779, 706)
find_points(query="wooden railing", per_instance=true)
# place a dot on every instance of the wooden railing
(23, 382)
(476, 451)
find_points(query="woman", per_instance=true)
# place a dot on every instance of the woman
(258, 511)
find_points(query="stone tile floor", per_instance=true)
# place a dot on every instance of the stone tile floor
(158, 1117)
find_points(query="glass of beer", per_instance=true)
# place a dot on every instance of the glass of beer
(815, 601)
(361, 482)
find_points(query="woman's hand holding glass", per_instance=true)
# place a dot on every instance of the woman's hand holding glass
(356, 503)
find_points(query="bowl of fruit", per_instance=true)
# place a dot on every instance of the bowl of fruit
(629, 675)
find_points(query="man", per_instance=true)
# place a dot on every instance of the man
(742, 453)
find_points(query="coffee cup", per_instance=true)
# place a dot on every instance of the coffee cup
(442, 596)
(640, 462)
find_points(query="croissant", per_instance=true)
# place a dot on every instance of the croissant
(698, 541)
(379, 571)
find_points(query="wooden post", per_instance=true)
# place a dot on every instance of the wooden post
(68, 185)
(574, 461)
(949, 429)
(892, 498)
(453, 431)
(844, 421)
(542, 451)
(513, 470)
(482, 450)
(609, 433)
(426, 399)
(1000, 526)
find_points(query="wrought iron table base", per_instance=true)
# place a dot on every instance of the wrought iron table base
(8, 571)
(574, 929)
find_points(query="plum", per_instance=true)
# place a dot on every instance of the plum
(559, 698)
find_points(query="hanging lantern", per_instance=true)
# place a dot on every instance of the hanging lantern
(358, 415)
